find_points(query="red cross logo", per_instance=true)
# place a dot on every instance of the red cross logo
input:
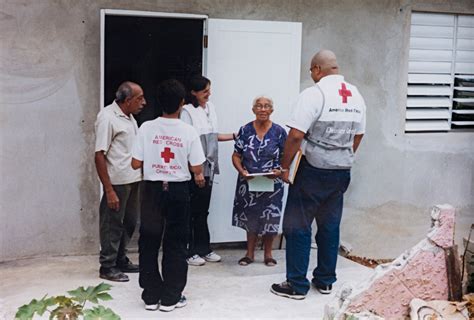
(167, 155)
(344, 93)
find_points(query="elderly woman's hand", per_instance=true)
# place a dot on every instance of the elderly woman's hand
(245, 174)
(276, 174)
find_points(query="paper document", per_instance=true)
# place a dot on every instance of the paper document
(261, 184)
(260, 174)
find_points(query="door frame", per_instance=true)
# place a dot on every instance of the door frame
(152, 14)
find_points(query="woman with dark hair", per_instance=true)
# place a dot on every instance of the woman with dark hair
(200, 113)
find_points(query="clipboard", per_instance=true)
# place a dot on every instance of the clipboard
(258, 174)
(293, 169)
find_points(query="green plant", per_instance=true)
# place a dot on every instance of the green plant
(70, 308)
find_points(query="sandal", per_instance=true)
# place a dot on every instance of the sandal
(245, 261)
(270, 262)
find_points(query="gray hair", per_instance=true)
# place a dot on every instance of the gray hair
(262, 96)
(124, 91)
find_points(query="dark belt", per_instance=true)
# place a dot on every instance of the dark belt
(165, 185)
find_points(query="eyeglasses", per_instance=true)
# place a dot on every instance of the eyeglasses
(259, 106)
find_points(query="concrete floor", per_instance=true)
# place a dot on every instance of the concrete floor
(216, 290)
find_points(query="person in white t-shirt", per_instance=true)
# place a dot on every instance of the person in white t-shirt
(168, 150)
(201, 114)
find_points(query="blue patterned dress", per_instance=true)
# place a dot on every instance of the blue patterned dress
(259, 212)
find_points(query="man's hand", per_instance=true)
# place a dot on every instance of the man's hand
(285, 176)
(200, 180)
(113, 201)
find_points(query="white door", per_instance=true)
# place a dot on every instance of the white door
(244, 59)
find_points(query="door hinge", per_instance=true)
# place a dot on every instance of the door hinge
(205, 41)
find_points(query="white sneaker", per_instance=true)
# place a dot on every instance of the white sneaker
(151, 307)
(212, 257)
(196, 261)
(181, 303)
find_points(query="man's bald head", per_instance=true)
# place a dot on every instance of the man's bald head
(323, 63)
(326, 59)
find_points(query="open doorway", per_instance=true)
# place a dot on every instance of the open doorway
(242, 58)
(148, 50)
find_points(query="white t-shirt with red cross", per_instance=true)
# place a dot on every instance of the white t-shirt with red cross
(166, 146)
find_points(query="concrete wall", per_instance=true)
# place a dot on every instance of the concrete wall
(49, 97)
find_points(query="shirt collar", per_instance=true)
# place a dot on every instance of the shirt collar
(333, 77)
(118, 112)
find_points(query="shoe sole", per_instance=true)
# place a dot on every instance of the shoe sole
(290, 296)
(197, 264)
(151, 307)
(322, 291)
(114, 280)
(209, 260)
(171, 308)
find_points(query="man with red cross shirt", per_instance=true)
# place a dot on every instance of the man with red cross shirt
(168, 150)
(328, 123)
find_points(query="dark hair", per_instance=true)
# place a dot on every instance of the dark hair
(170, 94)
(124, 91)
(196, 83)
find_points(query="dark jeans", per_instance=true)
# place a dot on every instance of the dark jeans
(116, 227)
(316, 194)
(164, 217)
(199, 240)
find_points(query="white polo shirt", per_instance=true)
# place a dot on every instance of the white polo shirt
(115, 133)
(166, 146)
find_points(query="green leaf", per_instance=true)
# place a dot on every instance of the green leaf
(103, 287)
(104, 296)
(63, 300)
(91, 294)
(100, 313)
(27, 311)
(79, 294)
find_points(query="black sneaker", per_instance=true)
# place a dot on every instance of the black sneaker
(323, 288)
(285, 289)
(112, 274)
(128, 267)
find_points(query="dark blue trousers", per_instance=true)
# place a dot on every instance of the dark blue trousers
(315, 194)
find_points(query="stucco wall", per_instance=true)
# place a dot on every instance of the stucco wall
(49, 97)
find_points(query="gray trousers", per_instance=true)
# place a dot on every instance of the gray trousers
(116, 227)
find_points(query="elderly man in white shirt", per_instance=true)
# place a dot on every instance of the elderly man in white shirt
(116, 129)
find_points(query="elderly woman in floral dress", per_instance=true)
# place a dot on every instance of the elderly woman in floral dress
(258, 148)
